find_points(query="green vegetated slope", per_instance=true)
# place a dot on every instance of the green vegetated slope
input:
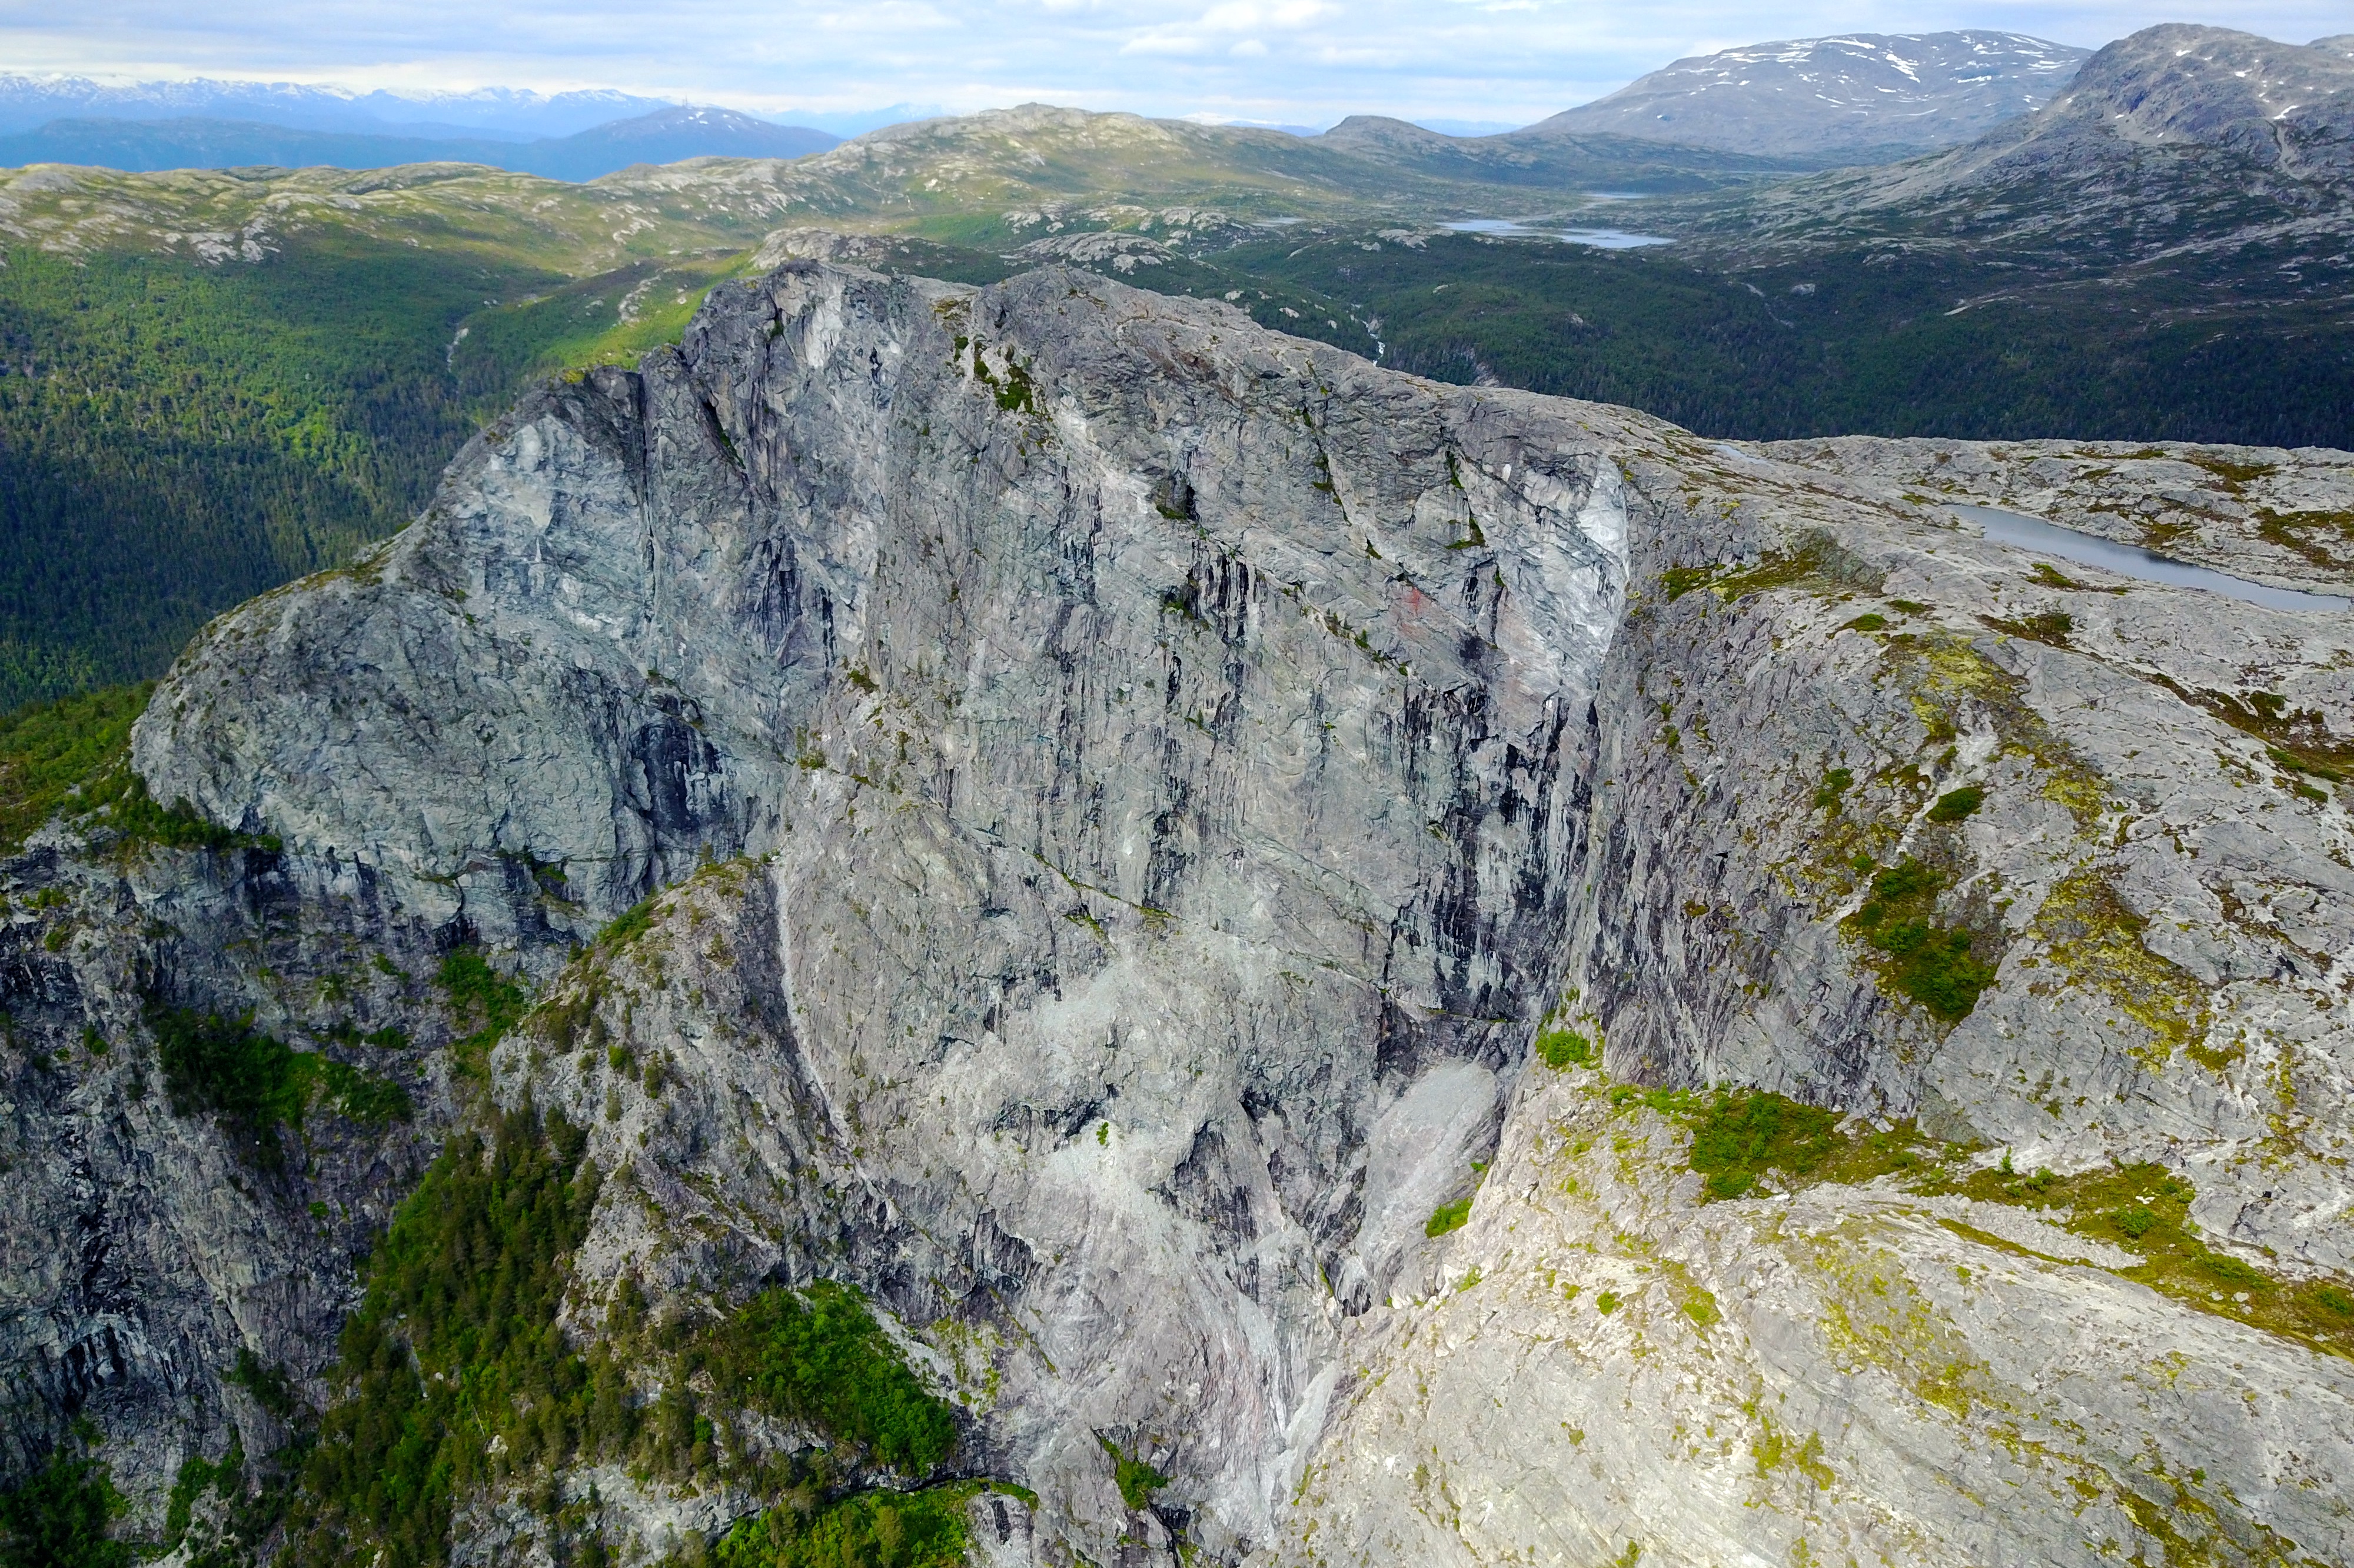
(176, 437)
(454, 1376)
(1845, 342)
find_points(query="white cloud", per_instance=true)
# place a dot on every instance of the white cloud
(1291, 61)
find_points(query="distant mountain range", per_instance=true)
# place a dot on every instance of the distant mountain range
(501, 113)
(665, 136)
(1768, 109)
(1867, 96)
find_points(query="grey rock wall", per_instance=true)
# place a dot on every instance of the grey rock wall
(1118, 790)
(1157, 740)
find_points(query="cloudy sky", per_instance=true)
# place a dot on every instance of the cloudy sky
(1299, 61)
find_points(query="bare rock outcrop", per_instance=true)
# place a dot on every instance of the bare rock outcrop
(1088, 804)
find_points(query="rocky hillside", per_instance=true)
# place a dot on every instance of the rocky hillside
(2185, 143)
(1860, 96)
(1037, 925)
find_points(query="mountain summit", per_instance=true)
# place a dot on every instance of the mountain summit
(1856, 93)
(2178, 135)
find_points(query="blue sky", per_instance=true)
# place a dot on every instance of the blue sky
(1298, 61)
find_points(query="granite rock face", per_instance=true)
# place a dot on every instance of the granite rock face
(1157, 740)
(1605, 1360)
(1108, 795)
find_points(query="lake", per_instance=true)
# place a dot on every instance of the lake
(2132, 560)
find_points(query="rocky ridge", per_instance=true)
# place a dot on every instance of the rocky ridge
(1129, 787)
(1862, 95)
(2178, 142)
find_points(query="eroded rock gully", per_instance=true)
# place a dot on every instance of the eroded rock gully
(1129, 785)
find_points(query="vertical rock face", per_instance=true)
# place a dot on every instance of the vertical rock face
(1158, 739)
(1089, 802)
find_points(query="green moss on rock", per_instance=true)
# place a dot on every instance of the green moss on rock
(2096, 941)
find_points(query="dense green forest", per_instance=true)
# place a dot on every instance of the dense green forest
(176, 437)
(1842, 345)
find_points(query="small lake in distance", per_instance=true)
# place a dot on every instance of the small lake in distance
(1601, 238)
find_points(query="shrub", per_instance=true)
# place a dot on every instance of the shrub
(1136, 1478)
(256, 1083)
(1956, 804)
(817, 1355)
(245, 1077)
(1744, 1136)
(1447, 1217)
(1932, 964)
(58, 1517)
(1561, 1048)
(877, 1530)
(626, 926)
(478, 995)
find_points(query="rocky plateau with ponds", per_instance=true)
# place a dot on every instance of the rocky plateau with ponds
(1358, 971)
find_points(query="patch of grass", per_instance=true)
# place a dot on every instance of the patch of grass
(1741, 1136)
(1956, 804)
(1869, 620)
(1836, 783)
(874, 1530)
(196, 1477)
(59, 1517)
(2145, 1209)
(1136, 1478)
(51, 751)
(480, 996)
(1680, 580)
(1447, 1217)
(1931, 964)
(1560, 1046)
(1816, 560)
(817, 1355)
(2298, 739)
(256, 1083)
(1744, 1136)
(629, 925)
(2050, 626)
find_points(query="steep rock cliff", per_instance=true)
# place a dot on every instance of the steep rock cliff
(1157, 737)
(1089, 802)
